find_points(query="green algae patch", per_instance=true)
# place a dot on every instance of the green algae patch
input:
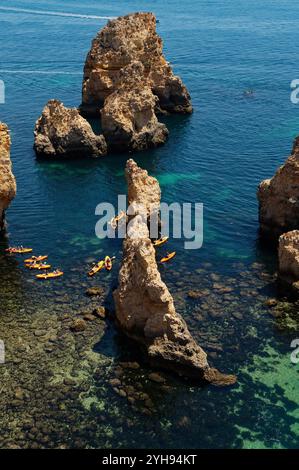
(169, 179)
(275, 382)
(231, 253)
(255, 443)
(89, 401)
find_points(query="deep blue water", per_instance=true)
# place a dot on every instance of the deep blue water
(217, 156)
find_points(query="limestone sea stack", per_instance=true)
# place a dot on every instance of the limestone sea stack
(61, 131)
(129, 121)
(279, 198)
(122, 41)
(8, 186)
(145, 309)
(288, 254)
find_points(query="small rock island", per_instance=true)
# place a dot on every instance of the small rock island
(125, 40)
(61, 131)
(127, 83)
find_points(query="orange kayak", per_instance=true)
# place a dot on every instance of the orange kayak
(19, 250)
(100, 265)
(108, 263)
(120, 216)
(168, 257)
(35, 259)
(38, 266)
(113, 222)
(161, 241)
(50, 275)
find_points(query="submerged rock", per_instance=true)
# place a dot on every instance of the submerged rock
(100, 312)
(196, 294)
(128, 116)
(288, 253)
(271, 303)
(158, 378)
(122, 41)
(61, 131)
(95, 291)
(279, 198)
(145, 309)
(8, 186)
(130, 365)
(89, 317)
(78, 325)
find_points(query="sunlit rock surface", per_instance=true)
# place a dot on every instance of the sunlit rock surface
(279, 198)
(289, 260)
(145, 309)
(8, 186)
(122, 41)
(62, 131)
(128, 116)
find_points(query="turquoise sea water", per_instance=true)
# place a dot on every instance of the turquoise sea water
(217, 156)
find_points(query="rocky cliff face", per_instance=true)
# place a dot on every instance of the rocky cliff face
(61, 131)
(122, 41)
(128, 116)
(143, 189)
(279, 198)
(144, 306)
(8, 186)
(289, 261)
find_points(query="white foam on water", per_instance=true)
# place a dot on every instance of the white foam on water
(56, 13)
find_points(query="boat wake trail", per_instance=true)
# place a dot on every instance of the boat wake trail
(56, 13)
(40, 72)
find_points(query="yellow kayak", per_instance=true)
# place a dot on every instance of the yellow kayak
(168, 257)
(52, 275)
(38, 266)
(161, 241)
(35, 259)
(19, 250)
(100, 265)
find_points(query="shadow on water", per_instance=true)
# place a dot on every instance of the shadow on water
(11, 278)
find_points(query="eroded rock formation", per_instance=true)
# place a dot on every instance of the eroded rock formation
(61, 131)
(279, 198)
(143, 189)
(288, 253)
(127, 81)
(144, 306)
(128, 116)
(8, 186)
(122, 41)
